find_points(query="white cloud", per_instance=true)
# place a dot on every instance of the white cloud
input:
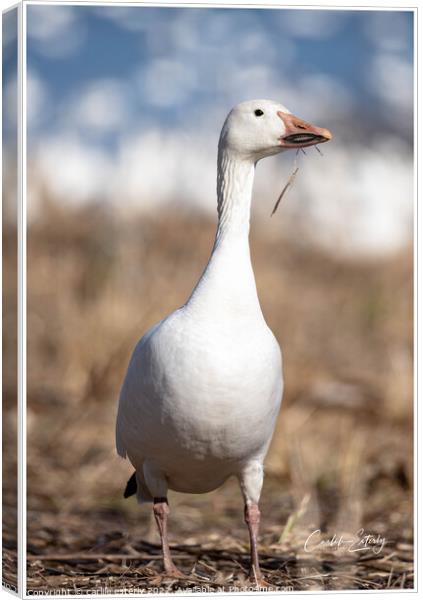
(9, 34)
(220, 28)
(55, 29)
(10, 102)
(71, 170)
(250, 81)
(167, 82)
(46, 22)
(133, 19)
(156, 167)
(102, 106)
(388, 30)
(391, 78)
(312, 24)
(37, 99)
(323, 96)
(185, 30)
(256, 44)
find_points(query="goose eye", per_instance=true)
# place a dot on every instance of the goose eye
(258, 112)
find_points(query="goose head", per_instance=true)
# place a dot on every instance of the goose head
(259, 128)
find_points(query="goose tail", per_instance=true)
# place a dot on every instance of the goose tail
(136, 485)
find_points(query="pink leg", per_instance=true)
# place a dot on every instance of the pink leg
(252, 518)
(161, 512)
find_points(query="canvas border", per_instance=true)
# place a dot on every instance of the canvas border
(22, 265)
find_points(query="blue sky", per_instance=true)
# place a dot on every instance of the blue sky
(174, 63)
(9, 64)
(125, 107)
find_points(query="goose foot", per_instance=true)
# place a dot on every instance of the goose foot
(164, 579)
(174, 572)
(259, 581)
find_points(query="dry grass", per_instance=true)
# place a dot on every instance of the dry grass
(341, 459)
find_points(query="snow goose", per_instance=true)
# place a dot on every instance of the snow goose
(203, 388)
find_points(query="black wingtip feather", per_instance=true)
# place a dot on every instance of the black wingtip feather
(131, 486)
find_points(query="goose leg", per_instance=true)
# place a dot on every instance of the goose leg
(251, 481)
(161, 513)
(252, 519)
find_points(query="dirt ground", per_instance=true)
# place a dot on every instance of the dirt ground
(340, 466)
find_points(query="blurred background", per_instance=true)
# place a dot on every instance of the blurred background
(9, 300)
(125, 107)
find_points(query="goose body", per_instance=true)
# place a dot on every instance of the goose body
(203, 388)
(199, 420)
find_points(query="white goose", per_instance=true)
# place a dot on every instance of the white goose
(204, 385)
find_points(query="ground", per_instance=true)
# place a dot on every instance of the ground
(209, 544)
(340, 465)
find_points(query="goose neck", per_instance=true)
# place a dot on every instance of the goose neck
(227, 285)
(235, 177)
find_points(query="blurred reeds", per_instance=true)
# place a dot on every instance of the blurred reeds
(341, 458)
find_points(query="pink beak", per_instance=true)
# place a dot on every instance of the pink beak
(300, 134)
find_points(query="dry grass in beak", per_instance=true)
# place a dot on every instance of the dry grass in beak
(291, 179)
(285, 189)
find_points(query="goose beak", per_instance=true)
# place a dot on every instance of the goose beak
(299, 134)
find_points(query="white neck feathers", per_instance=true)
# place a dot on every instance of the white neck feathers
(235, 177)
(227, 285)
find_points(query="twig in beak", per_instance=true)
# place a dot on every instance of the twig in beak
(318, 150)
(285, 189)
(303, 151)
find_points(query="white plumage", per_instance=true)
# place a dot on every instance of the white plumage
(202, 392)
